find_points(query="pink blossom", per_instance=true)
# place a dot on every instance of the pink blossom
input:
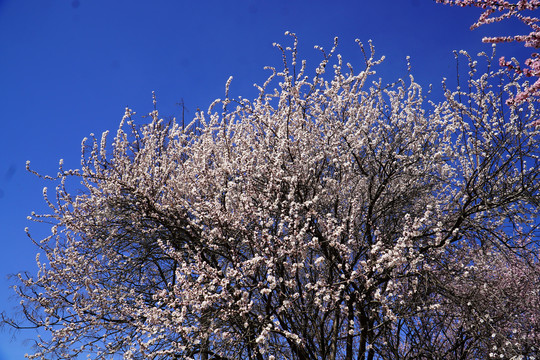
(495, 11)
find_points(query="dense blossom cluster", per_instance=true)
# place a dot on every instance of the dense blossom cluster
(498, 10)
(326, 219)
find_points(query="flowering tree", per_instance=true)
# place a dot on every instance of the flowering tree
(497, 10)
(325, 219)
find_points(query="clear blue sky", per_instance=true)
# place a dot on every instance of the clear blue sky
(69, 68)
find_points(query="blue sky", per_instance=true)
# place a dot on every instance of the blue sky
(69, 68)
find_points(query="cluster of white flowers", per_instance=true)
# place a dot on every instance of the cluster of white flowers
(324, 219)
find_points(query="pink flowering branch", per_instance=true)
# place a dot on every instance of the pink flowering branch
(495, 11)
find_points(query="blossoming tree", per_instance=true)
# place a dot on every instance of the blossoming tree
(329, 218)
